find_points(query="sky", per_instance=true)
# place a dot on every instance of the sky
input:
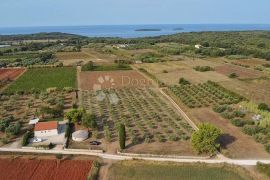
(14, 13)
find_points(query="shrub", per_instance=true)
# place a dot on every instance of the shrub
(220, 108)
(4, 124)
(264, 168)
(233, 75)
(238, 113)
(249, 130)
(26, 138)
(183, 81)
(89, 120)
(59, 156)
(94, 171)
(263, 107)
(13, 129)
(203, 68)
(238, 122)
(206, 139)
(267, 147)
(260, 138)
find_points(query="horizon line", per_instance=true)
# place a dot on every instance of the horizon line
(132, 25)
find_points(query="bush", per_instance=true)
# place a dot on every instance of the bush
(4, 124)
(238, 122)
(260, 138)
(263, 168)
(13, 129)
(59, 156)
(89, 121)
(267, 147)
(26, 138)
(165, 71)
(249, 130)
(94, 171)
(233, 75)
(183, 81)
(206, 139)
(263, 107)
(203, 68)
(220, 108)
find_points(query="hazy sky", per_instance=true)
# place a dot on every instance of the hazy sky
(102, 12)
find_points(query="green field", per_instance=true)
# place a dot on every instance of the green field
(146, 170)
(43, 78)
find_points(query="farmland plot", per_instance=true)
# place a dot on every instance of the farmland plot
(10, 73)
(146, 115)
(44, 169)
(43, 78)
(112, 79)
(204, 95)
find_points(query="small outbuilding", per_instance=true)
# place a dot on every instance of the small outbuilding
(33, 121)
(46, 129)
(80, 135)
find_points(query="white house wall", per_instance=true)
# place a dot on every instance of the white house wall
(44, 133)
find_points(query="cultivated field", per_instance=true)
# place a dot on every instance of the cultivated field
(43, 78)
(204, 95)
(10, 73)
(148, 118)
(127, 170)
(21, 169)
(112, 79)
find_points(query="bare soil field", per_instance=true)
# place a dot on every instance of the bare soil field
(170, 148)
(177, 69)
(71, 55)
(21, 169)
(250, 62)
(237, 144)
(257, 90)
(112, 79)
(243, 73)
(10, 73)
(86, 55)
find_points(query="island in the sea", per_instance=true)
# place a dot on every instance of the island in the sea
(147, 29)
(178, 29)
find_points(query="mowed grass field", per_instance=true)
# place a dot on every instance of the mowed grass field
(128, 170)
(43, 78)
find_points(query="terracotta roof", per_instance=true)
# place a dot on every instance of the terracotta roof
(46, 125)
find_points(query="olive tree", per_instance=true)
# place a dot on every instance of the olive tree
(206, 139)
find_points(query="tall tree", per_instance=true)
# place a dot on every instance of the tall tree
(122, 136)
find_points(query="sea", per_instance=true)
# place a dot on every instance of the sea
(133, 31)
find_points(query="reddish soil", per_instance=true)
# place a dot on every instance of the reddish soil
(237, 144)
(10, 74)
(112, 79)
(26, 169)
(241, 72)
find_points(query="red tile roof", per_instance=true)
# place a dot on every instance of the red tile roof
(40, 126)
